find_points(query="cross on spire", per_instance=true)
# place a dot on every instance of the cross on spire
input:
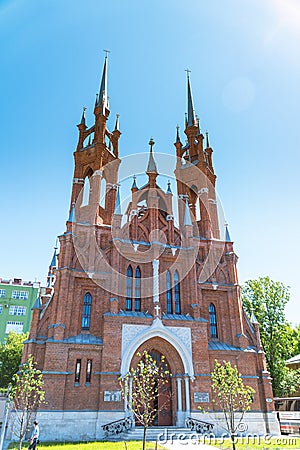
(106, 53)
(188, 71)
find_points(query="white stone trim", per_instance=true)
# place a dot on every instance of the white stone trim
(179, 337)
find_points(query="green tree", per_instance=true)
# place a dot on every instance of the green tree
(10, 357)
(26, 395)
(267, 300)
(231, 395)
(146, 380)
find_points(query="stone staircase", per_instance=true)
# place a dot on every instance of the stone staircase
(160, 434)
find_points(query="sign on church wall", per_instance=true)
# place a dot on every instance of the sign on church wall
(201, 397)
(112, 396)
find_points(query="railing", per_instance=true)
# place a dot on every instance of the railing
(199, 426)
(117, 427)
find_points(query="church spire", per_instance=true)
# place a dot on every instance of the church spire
(102, 97)
(151, 162)
(191, 120)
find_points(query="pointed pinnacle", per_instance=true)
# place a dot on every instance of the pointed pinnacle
(117, 122)
(207, 140)
(82, 122)
(151, 163)
(187, 215)
(134, 185)
(177, 134)
(169, 190)
(227, 235)
(72, 217)
(118, 203)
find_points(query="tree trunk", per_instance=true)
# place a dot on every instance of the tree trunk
(232, 437)
(20, 444)
(144, 438)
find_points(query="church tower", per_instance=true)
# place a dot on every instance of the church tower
(141, 279)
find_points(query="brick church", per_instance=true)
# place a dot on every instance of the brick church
(157, 273)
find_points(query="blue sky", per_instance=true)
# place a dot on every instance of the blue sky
(245, 79)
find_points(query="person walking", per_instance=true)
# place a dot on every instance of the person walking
(34, 436)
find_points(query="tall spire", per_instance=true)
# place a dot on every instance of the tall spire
(151, 162)
(191, 113)
(102, 97)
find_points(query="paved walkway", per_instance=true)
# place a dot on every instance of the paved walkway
(187, 444)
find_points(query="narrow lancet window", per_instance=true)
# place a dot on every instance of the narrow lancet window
(177, 293)
(77, 370)
(137, 295)
(169, 296)
(88, 371)
(213, 321)
(129, 279)
(86, 313)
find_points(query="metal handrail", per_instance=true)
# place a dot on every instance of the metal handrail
(200, 426)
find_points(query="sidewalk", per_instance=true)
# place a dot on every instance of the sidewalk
(186, 445)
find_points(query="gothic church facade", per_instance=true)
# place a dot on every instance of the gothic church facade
(141, 279)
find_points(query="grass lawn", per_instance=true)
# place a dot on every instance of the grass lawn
(132, 445)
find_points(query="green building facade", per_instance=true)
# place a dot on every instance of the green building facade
(17, 297)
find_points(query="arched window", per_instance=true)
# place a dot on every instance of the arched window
(86, 192)
(177, 293)
(86, 313)
(137, 293)
(129, 279)
(169, 293)
(213, 321)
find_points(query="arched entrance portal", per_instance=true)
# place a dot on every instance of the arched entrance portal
(169, 401)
